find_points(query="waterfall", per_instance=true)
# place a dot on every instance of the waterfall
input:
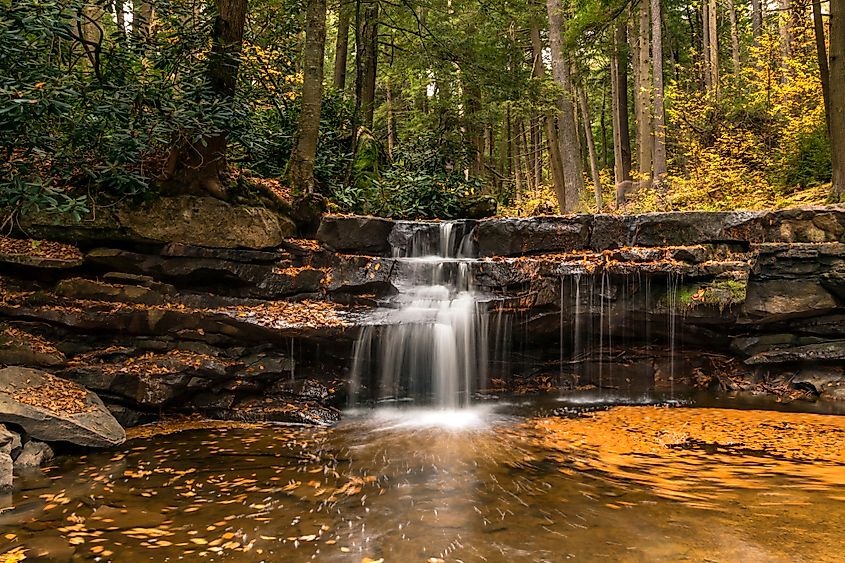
(431, 345)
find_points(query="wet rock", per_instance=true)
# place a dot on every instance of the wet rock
(275, 409)
(18, 347)
(829, 381)
(56, 410)
(823, 351)
(610, 231)
(775, 300)
(34, 454)
(362, 275)
(308, 389)
(535, 235)
(6, 471)
(356, 234)
(10, 442)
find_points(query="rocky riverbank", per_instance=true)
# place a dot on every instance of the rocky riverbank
(222, 311)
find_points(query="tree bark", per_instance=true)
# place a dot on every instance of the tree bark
(341, 52)
(591, 148)
(821, 52)
(785, 32)
(567, 130)
(645, 144)
(619, 106)
(552, 142)
(142, 22)
(735, 52)
(712, 47)
(120, 17)
(304, 155)
(756, 20)
(837, 95)
(659, 115)
(366, 44)
(201, 167)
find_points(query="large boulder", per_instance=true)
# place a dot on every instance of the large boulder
(782, 299)
(696, 227)
(200, 221)
(208, 222)
(52, 409)
(356, 234)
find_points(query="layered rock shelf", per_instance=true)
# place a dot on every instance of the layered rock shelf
(237, 319)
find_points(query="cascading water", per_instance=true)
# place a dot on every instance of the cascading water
(431, 345)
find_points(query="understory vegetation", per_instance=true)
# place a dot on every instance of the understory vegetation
(422, 106)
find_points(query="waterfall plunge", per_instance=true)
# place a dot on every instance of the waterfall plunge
(432, 347)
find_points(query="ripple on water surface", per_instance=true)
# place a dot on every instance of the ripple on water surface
(632, 483)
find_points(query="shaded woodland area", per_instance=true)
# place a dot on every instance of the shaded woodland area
(424, 108)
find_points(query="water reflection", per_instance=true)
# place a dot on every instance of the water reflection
(625, 484)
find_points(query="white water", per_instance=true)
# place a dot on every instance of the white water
(433, 347)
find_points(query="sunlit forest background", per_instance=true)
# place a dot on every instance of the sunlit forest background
(425, 107)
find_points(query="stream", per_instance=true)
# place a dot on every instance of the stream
(581, 477)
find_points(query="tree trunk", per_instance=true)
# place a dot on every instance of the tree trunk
(552, 142)
(619, 106)
(567, 130)
(837, 95)
(821, 51)
(659, 116)
(645, 143)
(201, 167)
(120, 17)
(785, 32)
(341, 52)
(142, 22)
(735, 53)
(712, 47)
(591, 147)
(756, 20)
(301, 168)
(366, 44)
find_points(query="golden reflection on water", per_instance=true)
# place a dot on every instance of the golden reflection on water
(626, 484)
(701, 456)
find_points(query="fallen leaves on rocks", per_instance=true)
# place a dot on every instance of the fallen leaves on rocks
(55, 395)
(40, 248)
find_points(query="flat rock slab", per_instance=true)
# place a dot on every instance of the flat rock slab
(38, 253)
(188, 220)
(356, 234)
(52, 409)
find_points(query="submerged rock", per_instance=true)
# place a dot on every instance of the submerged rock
(34, 454)
(56, 410)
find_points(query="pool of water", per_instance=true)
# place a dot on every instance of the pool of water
(579, 477)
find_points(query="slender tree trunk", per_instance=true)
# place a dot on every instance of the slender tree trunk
(342, 46)
(120, 17)
(304, 155)
(756, 20)
(645, 143)
(619, 106)
(366, 61)
(201, 167)
(837, 95)
(713, 47)
(735, 52)
(785, 32)
(549, 125)
(821, 52)
(142, 22)
(659, 116)
(591, 148)
(567, 129)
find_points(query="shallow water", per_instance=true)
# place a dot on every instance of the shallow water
(492, 483)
